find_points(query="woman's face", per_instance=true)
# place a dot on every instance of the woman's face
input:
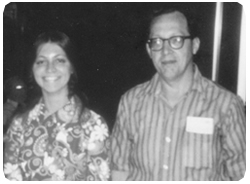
(52, 69)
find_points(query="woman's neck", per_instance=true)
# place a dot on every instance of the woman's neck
(54, 102)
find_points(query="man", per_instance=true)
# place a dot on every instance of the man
(179, 125)
(15, 91)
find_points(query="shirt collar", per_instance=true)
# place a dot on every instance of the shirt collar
(154, 87)
(72, 103)
(197, 80)
(149, 86)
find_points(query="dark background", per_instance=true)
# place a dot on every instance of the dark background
(110, 38)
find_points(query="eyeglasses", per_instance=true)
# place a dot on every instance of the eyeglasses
(175, 42)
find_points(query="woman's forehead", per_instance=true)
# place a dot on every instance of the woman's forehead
(49, 47)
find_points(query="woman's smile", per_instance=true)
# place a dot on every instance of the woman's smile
(51, 79)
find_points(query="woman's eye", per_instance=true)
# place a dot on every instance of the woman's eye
(61, 60)
(39, 62)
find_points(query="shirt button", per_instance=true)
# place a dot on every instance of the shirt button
(165, 167)
(168, 139)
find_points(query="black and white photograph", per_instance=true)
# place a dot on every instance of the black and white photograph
(124, 91)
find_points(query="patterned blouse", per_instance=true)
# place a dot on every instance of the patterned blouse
(66, 145)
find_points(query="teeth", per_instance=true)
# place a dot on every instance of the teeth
(50, 78)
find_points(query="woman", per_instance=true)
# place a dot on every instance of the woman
(56, 137)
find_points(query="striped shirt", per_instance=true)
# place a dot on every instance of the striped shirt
(151, 141)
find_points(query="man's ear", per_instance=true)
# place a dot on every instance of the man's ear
(196, 45)
(148, 50)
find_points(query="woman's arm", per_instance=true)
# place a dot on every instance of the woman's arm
(98, 144)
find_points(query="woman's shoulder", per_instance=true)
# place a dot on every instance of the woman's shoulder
(94, 125)
(90, 116)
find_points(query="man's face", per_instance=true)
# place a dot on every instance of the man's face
(172, 64)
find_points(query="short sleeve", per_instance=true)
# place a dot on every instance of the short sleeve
(234, 140)
(97, 145)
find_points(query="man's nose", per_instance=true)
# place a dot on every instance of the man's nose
(166, 48)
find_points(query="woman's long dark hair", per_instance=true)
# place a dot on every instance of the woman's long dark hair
(34, 91)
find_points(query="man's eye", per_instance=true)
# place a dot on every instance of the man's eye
(156, 42)
(177, 39)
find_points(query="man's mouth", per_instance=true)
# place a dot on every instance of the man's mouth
(167, 62)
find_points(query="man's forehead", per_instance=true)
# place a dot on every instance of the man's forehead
(170, 20)
(173, 17)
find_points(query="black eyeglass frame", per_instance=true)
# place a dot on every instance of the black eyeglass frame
(168, 39)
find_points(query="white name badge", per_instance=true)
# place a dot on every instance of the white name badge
(200, 125)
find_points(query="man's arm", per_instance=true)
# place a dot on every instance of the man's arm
(119, 175)
(234, 140)
(120, 145)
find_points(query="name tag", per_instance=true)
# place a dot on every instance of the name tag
(200, 125)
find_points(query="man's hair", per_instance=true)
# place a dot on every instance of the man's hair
(15, 89)
(187, 11)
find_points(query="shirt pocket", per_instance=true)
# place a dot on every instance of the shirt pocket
(197, 150)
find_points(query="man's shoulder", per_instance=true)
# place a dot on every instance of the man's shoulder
(218, 89)
(8, 106)
(137, 90)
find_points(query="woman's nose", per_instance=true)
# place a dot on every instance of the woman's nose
(51, 67)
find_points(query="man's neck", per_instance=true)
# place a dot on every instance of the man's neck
(173, 91)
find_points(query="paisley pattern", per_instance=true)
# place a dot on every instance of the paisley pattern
(66, 145)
